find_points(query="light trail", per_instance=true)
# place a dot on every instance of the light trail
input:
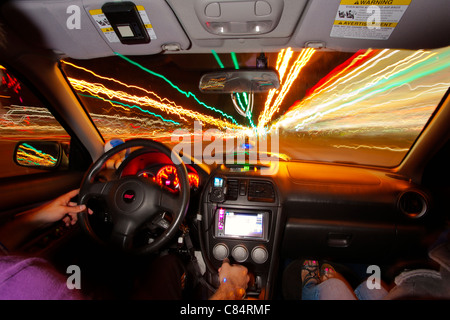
(95, 89)
(152, 93)
(392, 149)
(29, 155)
(362, 90)
(185, 93)
(287, 78)
(127, 107)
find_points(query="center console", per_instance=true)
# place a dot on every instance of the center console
(242, 221)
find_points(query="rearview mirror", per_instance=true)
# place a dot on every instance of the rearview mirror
(240, 80)
(40, 154)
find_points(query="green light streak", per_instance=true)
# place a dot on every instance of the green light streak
(187, 94)
(131, 107)
(407, 80)
(444, 64)
(238, 95)
(244, 94)
(53, 159)
(233, 56)
(217, 58)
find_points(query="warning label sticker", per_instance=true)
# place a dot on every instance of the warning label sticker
(107, 29)
(368, 19)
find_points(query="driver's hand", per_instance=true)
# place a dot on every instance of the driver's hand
(236, 274)
(60, 208)
(233, 281)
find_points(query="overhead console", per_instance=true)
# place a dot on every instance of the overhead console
(214, 23)
(242, 221)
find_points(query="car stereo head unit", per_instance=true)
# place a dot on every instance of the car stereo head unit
(234, 223)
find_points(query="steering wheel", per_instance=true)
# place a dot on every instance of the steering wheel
(133, 201)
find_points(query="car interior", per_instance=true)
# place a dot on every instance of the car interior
(263, 131)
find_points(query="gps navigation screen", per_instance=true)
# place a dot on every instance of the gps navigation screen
(244, 224)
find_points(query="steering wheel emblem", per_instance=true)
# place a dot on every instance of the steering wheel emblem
(129, 196)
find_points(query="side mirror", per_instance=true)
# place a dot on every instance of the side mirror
(240, 80)
(40, 154)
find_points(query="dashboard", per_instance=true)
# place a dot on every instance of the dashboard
(304, 209)
(333, 212)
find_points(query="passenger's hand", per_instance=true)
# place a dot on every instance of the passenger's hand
(60, 208)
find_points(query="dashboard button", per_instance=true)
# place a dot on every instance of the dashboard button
(239, 253)
(220, 251)
(260, 254)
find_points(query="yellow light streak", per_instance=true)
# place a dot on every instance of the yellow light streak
(287, 77)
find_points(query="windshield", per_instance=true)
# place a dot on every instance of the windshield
(366, 108)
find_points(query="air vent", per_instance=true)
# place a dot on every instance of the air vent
(232, 189)
(261, 191)
(413, 204)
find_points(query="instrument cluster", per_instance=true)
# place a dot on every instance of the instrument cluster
(167, 177)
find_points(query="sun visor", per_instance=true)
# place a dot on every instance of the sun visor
(81, 30)
(349, 25)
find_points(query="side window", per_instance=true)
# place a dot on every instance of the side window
(31, 139)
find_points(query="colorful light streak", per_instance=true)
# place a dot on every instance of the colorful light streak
(133, 101)
(10, 82)
(360, 91)
(128, 86)
(392, 149)
(287, 78)
(127, 107)
(187, 94)
(28, 155)
(26, 121)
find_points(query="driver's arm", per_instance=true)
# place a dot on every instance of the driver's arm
(12, 234)
(233, 282)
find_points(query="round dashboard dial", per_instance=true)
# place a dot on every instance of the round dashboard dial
(167, 176)
(194, 180)
(146, 174)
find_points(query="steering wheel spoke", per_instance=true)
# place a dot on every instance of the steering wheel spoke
(169, 201)
(122, 234)
(98, 189)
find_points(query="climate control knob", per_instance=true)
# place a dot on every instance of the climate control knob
(220, 251)
(260, 254)
(239, 253)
